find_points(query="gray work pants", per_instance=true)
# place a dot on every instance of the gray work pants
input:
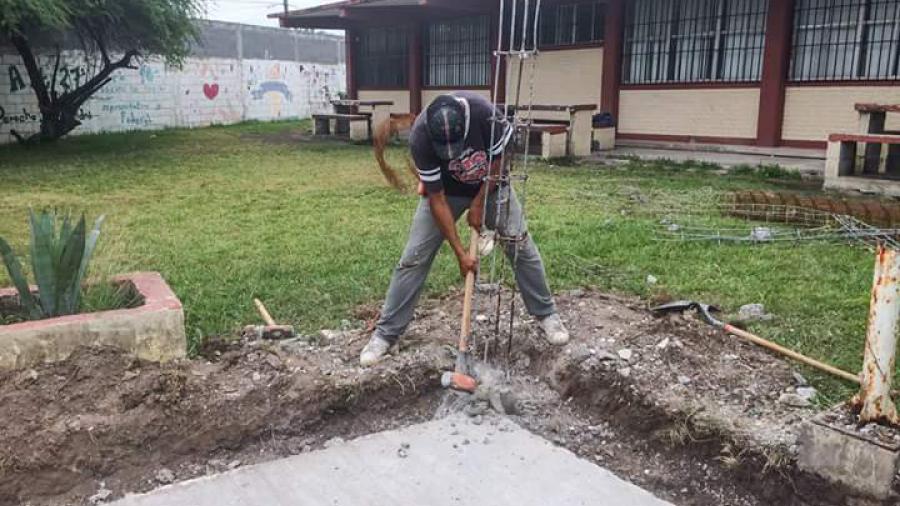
(425, 240)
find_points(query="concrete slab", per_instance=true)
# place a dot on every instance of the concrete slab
(450, 461)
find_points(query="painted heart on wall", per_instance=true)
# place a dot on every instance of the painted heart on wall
(211, 90)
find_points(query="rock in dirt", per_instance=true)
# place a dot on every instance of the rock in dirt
(808, 393)
(799, 379)
(333, 442)
(477, 408)
(626, 354)
(329, 335)
(101, 496)
(753, 313)
(165, 476)
(793, 400)
(504, 402)
(684, 380)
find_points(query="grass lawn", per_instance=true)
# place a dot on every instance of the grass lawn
(232, 213)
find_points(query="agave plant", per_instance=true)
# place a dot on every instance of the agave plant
(59, 261)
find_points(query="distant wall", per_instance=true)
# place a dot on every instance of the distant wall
(235, 73)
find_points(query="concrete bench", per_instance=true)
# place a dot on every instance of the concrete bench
(360, 125)
(869, 163)
(554, 139)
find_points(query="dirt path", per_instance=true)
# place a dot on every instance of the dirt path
(686, 413)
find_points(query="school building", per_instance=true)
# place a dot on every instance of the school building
(746, 72)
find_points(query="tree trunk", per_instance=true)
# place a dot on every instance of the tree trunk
(59, 113)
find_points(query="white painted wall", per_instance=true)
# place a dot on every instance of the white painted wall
(205, 91)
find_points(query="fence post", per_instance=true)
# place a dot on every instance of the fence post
(874, 397)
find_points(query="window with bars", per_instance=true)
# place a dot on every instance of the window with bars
(571, 23)
(457, 52)
(846, 40)
(685, 41)
(381, 58)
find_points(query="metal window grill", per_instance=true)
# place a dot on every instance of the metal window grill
(694, 40)
(846, 40)
(381, 57)
(571, 23)
(458, 53)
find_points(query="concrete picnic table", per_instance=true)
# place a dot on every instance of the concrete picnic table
(872, 119)
(579, 125)
(868, 160)
(380, 109)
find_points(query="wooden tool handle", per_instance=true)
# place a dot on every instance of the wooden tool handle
(466, 327)
(262, 312)
(743, 334)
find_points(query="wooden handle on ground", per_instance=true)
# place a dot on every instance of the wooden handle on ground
(262, 312)
(466, 327)
(743, 334)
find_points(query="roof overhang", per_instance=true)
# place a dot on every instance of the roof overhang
(352, 13)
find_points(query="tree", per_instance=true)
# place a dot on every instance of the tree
(113, 33)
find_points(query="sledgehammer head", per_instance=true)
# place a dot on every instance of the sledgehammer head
(270, 332)
(459, 381)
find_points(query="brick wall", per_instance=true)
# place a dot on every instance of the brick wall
(206, 90)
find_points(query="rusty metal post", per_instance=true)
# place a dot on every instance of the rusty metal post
(874, 397)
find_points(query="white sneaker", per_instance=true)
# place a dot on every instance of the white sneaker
(554, 330)
(374, 351)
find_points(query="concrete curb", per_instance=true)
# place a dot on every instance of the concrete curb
(152, 331)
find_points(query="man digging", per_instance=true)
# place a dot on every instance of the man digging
(451, 144)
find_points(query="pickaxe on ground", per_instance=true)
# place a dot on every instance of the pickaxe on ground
(706, 310)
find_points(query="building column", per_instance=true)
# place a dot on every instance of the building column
(414, 74)
(776, 63)
(349, 44)
(613, 31)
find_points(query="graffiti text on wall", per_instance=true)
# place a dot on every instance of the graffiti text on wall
(25, 116)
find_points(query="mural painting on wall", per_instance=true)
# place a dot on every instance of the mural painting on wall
(214, 98)
(111, 103)
(268, 83)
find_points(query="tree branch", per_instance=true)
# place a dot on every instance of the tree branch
(53, 93)
(83, 92)
(101, 47)
(34, 70)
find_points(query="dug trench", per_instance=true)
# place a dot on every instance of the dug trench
(666, 403)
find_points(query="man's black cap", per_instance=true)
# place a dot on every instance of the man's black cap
(448, 125)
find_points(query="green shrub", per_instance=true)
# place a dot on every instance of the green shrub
(59, 261)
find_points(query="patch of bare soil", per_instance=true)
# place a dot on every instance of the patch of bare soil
(667, 403)
(102, 423)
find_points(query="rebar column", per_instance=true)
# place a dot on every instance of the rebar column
(874, 397)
